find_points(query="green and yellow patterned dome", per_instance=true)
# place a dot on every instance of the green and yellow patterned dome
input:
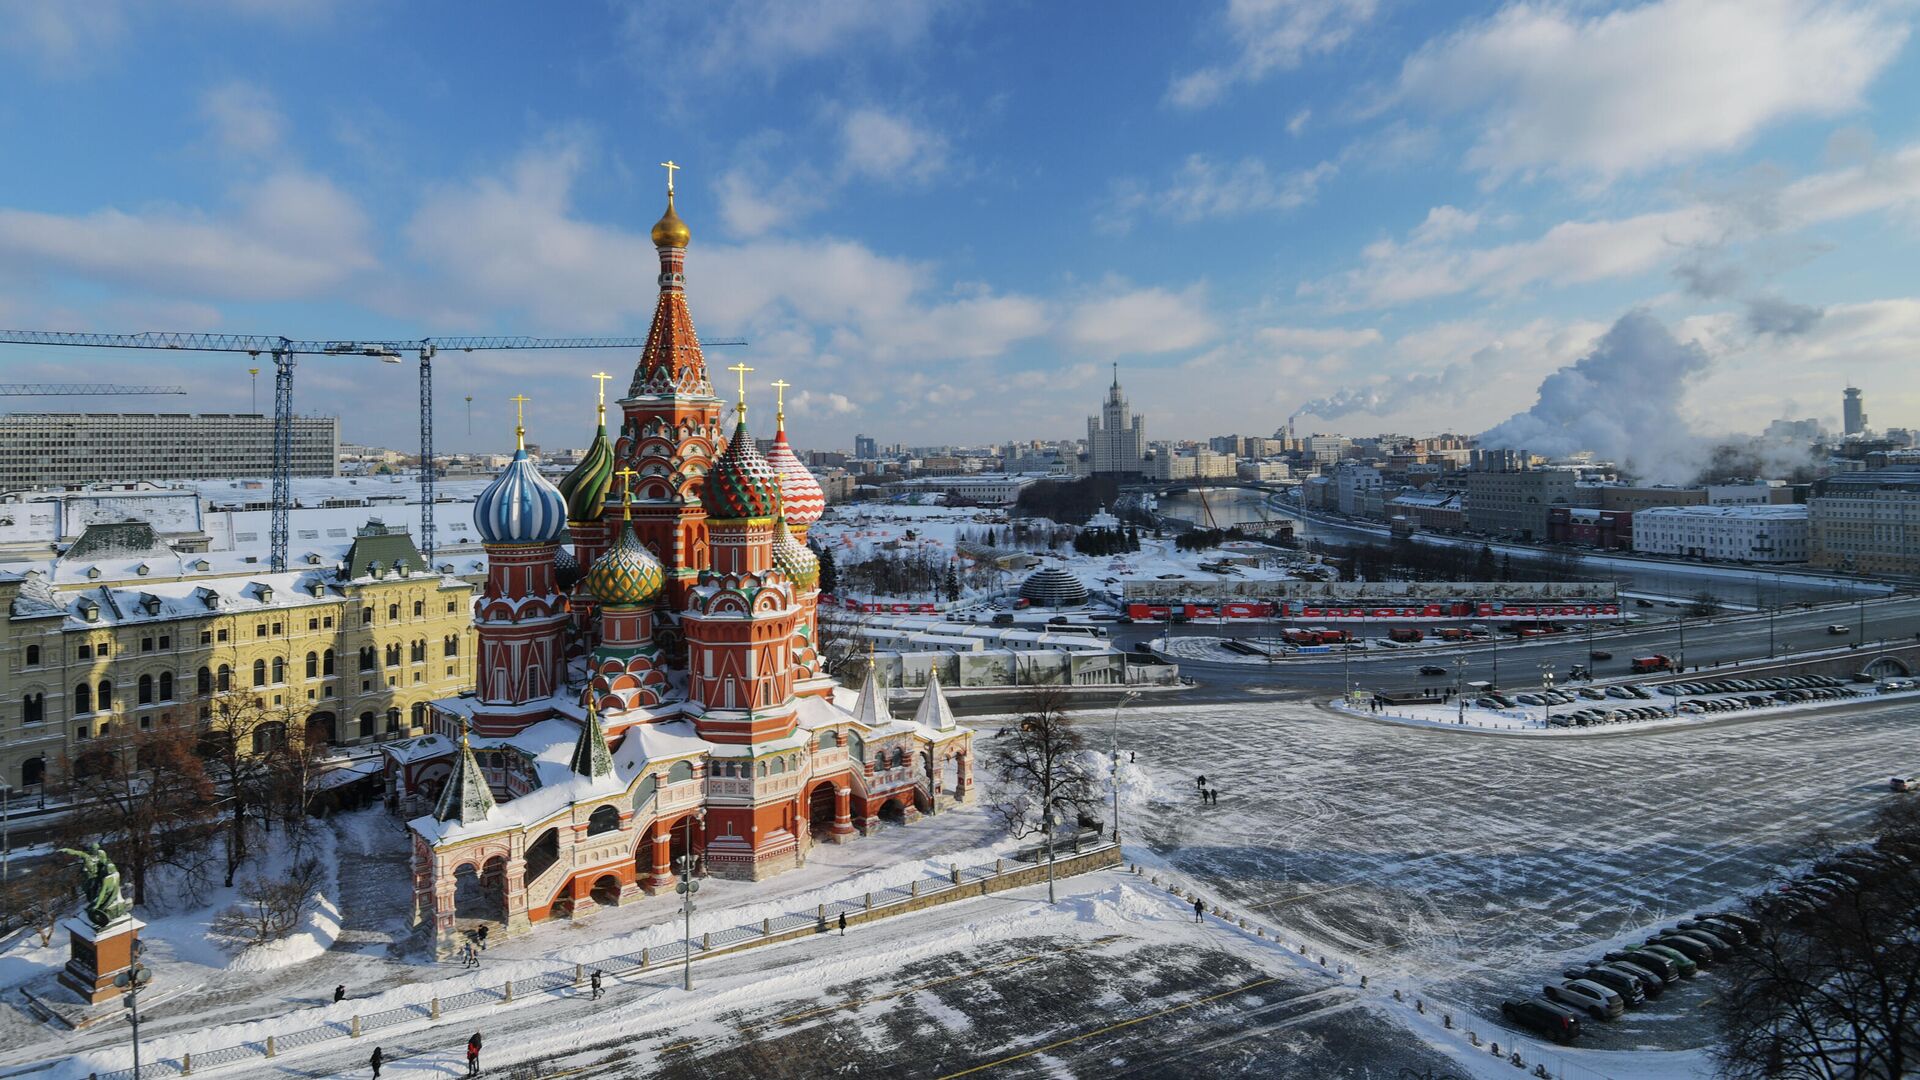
(794, 559)
(627, 575)
(742, 486)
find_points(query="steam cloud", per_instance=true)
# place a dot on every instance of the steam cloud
(1621, 401)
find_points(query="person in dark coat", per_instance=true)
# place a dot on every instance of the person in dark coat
(843, 924)
(596, 984)
(473, 1055)
(376, 1061)
(1203, 781)
(1199, 911)
(340, 993)
(483, 937)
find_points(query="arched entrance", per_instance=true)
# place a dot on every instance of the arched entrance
(606, 891)
(894, 811)
(820, 807)
(1886, 667)
(322, 727)
(479, 894)
(543, 853)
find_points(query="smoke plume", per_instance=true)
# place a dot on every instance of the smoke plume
(1620, 401)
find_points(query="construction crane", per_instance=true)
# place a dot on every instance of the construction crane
(285, 350)
(90, 389)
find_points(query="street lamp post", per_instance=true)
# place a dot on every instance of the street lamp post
(1114, 751)
(1493, 635)
(6, 831)
(1460, 687)
(689, 864)
(1046, 825)
(1680, 654)
(1546, 683)
(131, 980)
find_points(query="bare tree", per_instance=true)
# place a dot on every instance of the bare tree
(1042, 776)
(146, 798)
(269, 908)
(239, 724)
(1835, 993)
(838, 640)
(37, 900)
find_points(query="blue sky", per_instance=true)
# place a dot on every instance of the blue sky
(941, 221)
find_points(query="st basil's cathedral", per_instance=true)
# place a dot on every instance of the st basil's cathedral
(657, 691)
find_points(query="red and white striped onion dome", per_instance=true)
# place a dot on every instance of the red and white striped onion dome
(800, 496)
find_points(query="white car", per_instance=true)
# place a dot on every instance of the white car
(1590, 997)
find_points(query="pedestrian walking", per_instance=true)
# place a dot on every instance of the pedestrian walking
(596, 984)
(340, 993)
(1199, 914)
(1203, 781)
(843, 924)
(473, 1055)
(483, 938)
(376, 1061)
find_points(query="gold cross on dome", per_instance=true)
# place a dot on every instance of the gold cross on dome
(670, 167)
(626, 476)
(601, 377)
(520, 418)
(780, 399)
(742, 370)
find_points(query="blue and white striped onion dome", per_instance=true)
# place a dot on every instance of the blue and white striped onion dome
(520, 506)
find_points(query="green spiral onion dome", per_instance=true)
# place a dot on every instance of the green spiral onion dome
(587, 486)
(792, 558)
(627, 575)
(742, 486)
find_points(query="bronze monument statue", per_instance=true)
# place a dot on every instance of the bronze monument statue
(101, 889)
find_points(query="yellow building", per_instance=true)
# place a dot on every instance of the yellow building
(121, 634)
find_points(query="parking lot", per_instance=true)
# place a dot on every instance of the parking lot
(1479, 867)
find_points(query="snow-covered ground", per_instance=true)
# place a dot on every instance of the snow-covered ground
(1533, 719)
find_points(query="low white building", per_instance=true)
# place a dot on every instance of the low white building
(1761, 534)
(985, 489)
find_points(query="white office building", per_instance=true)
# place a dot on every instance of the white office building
(1757, 534)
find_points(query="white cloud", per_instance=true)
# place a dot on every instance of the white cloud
(1297, 123)
(1139, 321)
(809, 403)
(59, 36)
(1269, 36)
(670, 38)
(244, 118)
(1204, 189)
(1317, 339)
(885, 146)
(1622, 92)
(291, 236)
(748, 208)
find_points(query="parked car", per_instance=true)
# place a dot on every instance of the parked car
(1543, 1018)
(1730, 932)
(1899, 783)
(1682, 963)
(1651, 984)
(1432, 669)
(1693, 948)
(1590, 997)
(1720, 943)
(1662, 966)
(1626, 986)
(1745, 922)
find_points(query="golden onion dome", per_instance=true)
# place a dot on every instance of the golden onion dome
(670, 231)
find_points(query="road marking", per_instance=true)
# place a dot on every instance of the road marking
(855, 1003)
(1111, 1027)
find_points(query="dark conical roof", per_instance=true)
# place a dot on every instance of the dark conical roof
(1051, 586)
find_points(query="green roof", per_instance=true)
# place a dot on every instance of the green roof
(378, 544)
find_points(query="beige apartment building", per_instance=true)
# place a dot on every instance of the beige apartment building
(122, 635)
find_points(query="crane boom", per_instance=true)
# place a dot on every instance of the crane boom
(284, 350)
(18, 389)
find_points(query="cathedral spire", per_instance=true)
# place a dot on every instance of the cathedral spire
(672, 363)
(466, 798)
(591, 758)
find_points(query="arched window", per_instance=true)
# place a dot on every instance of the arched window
(259, 673)
(313, 665)
(761, 768)
(33, 655)
(393, 721)
(419, 608)
(856, 746)
(604, 819)
(880, 759)
(144, 689)
(451, 646)
(419, 714)
(393, 611)
(393, 655)
(271, 735)
(417, 651)
(204, 682)
(825, 741)
(779, 766)
(105, 696)
(166, 686)
(368, 659)
(681, 771)
(326, 662)
(279, 669)
(33, 772)
(226, 678)
(33, 708)
(644, 791)
(366, 725)
(899, 756)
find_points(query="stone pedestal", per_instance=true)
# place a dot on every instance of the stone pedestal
(96, 956)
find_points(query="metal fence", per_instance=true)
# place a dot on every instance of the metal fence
(875, 904)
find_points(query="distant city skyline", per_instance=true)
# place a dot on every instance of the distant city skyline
(1375, 216)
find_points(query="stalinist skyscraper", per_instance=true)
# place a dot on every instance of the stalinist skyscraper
(1116, 439)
